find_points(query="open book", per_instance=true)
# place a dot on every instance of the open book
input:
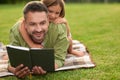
(31, 57)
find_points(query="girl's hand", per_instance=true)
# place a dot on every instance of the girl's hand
(60, 20)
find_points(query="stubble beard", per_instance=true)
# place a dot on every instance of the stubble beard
(38, 41)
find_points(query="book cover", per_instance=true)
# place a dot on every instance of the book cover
(31, 57)
(45, 58)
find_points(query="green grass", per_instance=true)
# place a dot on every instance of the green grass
(96, 25)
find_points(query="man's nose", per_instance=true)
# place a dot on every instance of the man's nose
(38, 28)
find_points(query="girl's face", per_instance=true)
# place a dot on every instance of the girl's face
(54, 12)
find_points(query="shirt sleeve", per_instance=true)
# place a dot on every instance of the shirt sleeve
(61, 45)
(13, 35)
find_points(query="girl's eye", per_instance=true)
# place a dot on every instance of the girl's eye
(50, 11)
(57, 13)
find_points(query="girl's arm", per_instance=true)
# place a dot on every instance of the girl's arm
(64, 21)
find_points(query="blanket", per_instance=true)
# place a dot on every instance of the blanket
(74, 62)
(3, 63)
(71, 61)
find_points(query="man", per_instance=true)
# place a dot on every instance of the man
(42, 33)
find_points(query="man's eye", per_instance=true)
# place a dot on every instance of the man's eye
(42, 23)
(32, 24)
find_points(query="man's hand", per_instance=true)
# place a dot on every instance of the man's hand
(38, 70)
(56, 66)
(20, 71)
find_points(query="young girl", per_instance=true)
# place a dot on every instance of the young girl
(56, 14)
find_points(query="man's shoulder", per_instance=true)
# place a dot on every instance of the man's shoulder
(53, 24)
(15, 26)
(57, 27)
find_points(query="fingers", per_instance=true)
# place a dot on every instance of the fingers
(35, 70)
(19, 67)
(24, 72)
(60, 20)
(56, 66)
(57, 21)
(41, 70)
(38, 70)
(21, 71)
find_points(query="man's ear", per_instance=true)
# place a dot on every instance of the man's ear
(48, 17)
(24, 23)
(48, 20)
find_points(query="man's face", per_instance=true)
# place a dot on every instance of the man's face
(36, 24)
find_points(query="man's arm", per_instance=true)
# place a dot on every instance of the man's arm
(16, 39)
(14, 36)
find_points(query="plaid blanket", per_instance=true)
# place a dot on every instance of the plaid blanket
(3, 63)
(71, 61)
(3, 68)
(74, 62)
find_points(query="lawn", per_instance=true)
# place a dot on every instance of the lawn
(96, 25)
